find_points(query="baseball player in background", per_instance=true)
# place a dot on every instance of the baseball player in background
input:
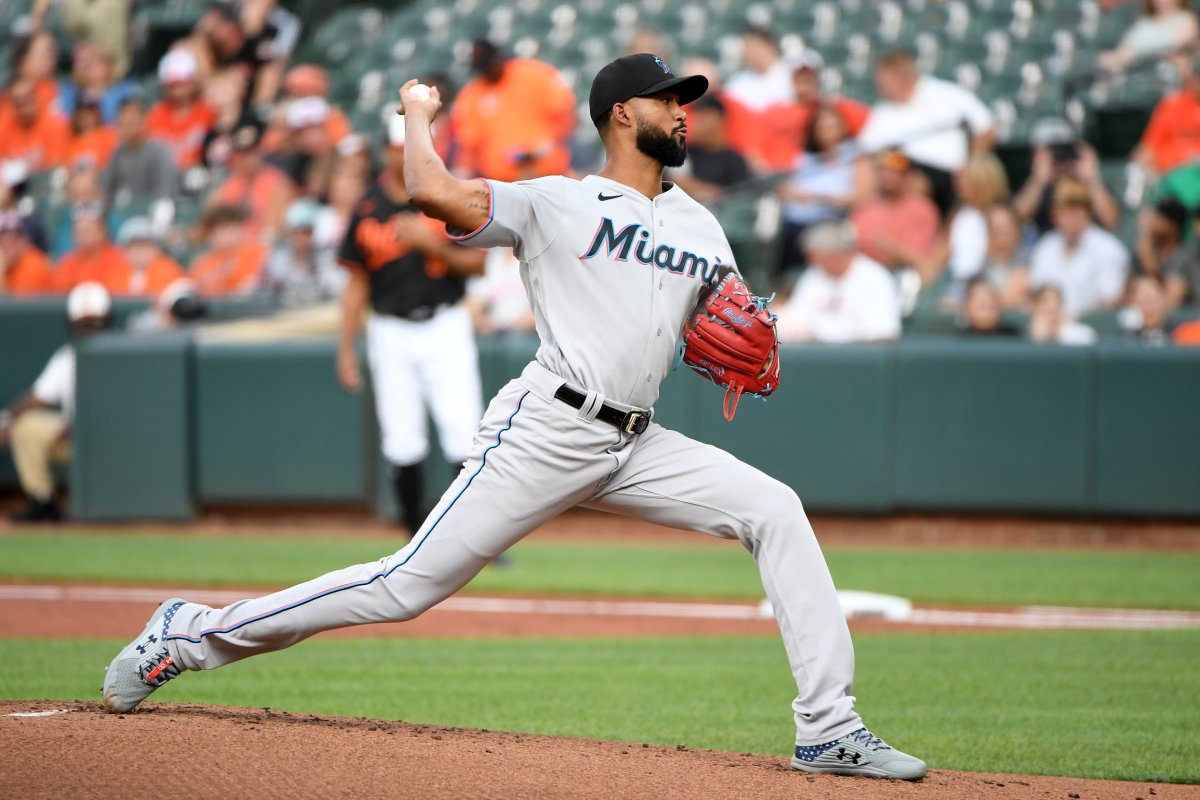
(420, 340)
(614, 265)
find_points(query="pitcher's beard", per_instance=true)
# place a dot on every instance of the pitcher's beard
(662, 147)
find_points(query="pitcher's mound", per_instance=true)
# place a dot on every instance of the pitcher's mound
(73, 750)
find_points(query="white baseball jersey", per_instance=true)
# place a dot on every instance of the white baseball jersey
(611, 275)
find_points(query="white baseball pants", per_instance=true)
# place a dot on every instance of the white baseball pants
(415, 365)
(533, 458)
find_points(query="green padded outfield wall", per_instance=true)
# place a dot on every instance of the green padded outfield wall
(1147, 433)
(992, 426)
(273, 425)
(132, 431)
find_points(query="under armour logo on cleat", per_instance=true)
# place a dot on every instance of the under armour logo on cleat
(842, 755)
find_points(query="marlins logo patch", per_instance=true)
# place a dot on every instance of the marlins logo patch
(666, 70)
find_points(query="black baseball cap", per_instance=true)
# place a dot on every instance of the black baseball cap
(640, 75)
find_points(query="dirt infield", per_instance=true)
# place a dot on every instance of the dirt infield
(201, 752)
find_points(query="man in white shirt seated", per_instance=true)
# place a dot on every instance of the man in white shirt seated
(843, 296)
(936, 123)
(1087, 263)
(38, 434)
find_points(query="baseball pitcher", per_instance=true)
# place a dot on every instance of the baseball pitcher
(620, 267)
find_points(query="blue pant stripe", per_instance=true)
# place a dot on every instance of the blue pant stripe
(378, 575)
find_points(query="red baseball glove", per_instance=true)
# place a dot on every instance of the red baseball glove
(731, 340)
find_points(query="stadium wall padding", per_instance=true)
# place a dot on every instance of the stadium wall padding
(926, 425)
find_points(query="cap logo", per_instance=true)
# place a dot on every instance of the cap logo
(663, 65)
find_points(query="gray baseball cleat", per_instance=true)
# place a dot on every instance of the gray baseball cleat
(859, 753)
(144, 665)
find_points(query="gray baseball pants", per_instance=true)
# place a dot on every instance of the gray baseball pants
(533, 458)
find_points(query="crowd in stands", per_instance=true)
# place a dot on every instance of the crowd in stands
(231, 172)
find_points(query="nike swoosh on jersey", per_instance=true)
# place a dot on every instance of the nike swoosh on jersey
(602, 198)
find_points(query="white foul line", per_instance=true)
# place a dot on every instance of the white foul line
(1030, 617)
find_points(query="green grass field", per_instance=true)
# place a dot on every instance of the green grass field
(1108, 705)
(1092, 704)
(966, 577)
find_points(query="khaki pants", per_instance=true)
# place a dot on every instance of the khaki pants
(35, 446)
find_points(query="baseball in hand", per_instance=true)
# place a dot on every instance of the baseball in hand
(420, 92)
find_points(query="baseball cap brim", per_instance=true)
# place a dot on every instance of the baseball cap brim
(690, 87)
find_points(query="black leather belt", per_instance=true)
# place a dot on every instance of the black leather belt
(627, 421)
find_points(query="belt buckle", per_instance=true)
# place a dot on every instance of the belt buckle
(636, 422)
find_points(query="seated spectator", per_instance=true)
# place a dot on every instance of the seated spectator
(298, 273)
(37, 425)
(182, 118)
(254, 185)
(84, 198)
(1164, 27)
(14, 197)
(1144, 320)
(1161, 230)
(925, 117)
(1182, 271)
(806, 85)
(1172, 137)
(92, 142)
(1006, 264)
(225, 93)
(35, 58)
(899, 227)
(94, 260)
(497, 299)
(514, 118)
(711, 166)
(1058, 153)
(844, 296)
(151, 270)
(37, 137)
(757, 100)
(981, 312)
(826, 181)
(1087, 263)
(142, 171)
(233, 265)
(308, 80)
(23, 268)
(94, 76)
(308, 154)
(1049, 322)
(252, 55)
(982, 184)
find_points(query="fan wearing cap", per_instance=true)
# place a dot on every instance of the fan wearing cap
(95, 259)
(308, 153)
(421, 348)
(260, 188)
(810, 98)
(151, 270)
(23, 268)
(182, 117)
(298, 272)
(514, 118)
(37, 425)
(306, 80)
(899, 227)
